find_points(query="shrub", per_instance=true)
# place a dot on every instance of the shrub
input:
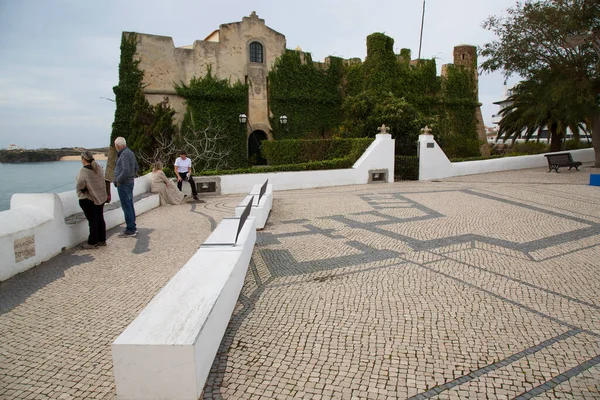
(338, 163)
(299, 151)
(459, 146)
(406, 168)
(574, 144)
(528, 148)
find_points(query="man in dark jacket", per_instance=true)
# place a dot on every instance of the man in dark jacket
(126, 168)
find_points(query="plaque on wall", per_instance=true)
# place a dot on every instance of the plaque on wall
(24, 248)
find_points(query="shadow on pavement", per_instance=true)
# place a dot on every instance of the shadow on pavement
(17, 289)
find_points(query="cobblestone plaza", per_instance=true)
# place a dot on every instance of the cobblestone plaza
(485, 286)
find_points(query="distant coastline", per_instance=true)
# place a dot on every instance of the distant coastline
(97, 157)
(45, 155)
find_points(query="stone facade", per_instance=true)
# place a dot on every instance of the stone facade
(227, 52)
(466, 55)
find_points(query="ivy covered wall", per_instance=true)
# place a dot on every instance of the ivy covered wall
(347, 99)
(309, 96)
(216, 103)
(336, 99)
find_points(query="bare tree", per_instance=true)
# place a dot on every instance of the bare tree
(165, 148)
(207, 146)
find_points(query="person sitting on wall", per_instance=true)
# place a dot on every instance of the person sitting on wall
(91, 192)
(183, 170)
(164, 186)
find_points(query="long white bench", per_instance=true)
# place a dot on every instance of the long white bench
(168, 350)
(261, 206)
(39, 226)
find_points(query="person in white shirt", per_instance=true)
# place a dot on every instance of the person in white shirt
(183, 170)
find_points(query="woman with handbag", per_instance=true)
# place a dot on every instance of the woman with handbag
(91, 191)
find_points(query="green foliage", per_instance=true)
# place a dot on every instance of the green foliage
(338, 163)
(150, 126)
(368, 110)
(536, 41)
(216, 103)
(456, 146)
(381, 67)
(295, 151)
(406, 168)
(550, 100)
(574, 144)
(386, 89)
(309, 96)
(130, 84)
(528, 148)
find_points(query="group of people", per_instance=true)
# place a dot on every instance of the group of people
(168, 192)
(93, 190)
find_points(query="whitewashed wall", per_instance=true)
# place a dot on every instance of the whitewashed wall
(42, 217)
(379, 155)
(433, 163)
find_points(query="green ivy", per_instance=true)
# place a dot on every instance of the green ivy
(309, 96)
(130, 84)
(338, 163)
(217, 103)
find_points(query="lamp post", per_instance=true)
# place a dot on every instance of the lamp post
(283, 121)
(243, 118)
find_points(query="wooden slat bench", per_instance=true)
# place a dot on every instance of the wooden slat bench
(555, 161)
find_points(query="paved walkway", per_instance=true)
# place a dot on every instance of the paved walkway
(485, 286)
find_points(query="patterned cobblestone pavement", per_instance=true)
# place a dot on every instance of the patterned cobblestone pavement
(485, 286)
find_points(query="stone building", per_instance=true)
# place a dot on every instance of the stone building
(466, 55)
(240, 51)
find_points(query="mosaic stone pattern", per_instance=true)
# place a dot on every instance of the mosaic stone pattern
(479, 287)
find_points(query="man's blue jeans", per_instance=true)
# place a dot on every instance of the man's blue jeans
(125, 191)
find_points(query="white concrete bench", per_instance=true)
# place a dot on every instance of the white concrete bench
(77, 226)
(260, 207)
(168, 350)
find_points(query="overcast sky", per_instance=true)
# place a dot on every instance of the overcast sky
(59, 58)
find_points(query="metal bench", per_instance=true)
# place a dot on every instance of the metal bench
(555, 161)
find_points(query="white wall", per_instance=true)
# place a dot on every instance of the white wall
(433, 163)
(42, 215)
(379, 155)
(167, 351)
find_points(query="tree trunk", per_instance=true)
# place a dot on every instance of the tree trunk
(596, 138)
(110, 163)
(555, 142)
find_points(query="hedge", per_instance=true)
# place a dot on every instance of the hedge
(406, 168)
(299, 151)
(337, 163)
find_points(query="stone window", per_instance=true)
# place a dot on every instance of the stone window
(256, 52)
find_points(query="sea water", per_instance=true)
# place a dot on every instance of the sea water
(41, 177)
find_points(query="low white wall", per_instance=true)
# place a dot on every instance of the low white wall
(433, 163)
(168, 350)
(379, 155)
(39, 219)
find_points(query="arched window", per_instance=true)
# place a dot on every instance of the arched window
(256, 52)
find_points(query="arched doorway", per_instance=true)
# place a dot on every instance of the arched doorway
(255, 147)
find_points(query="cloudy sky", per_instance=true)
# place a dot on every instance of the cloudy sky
(59, 58)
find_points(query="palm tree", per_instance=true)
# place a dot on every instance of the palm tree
(547, 100)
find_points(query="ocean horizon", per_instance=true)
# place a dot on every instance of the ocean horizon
(39, 177)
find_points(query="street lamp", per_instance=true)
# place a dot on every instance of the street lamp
(243, 118)
(283, 122)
